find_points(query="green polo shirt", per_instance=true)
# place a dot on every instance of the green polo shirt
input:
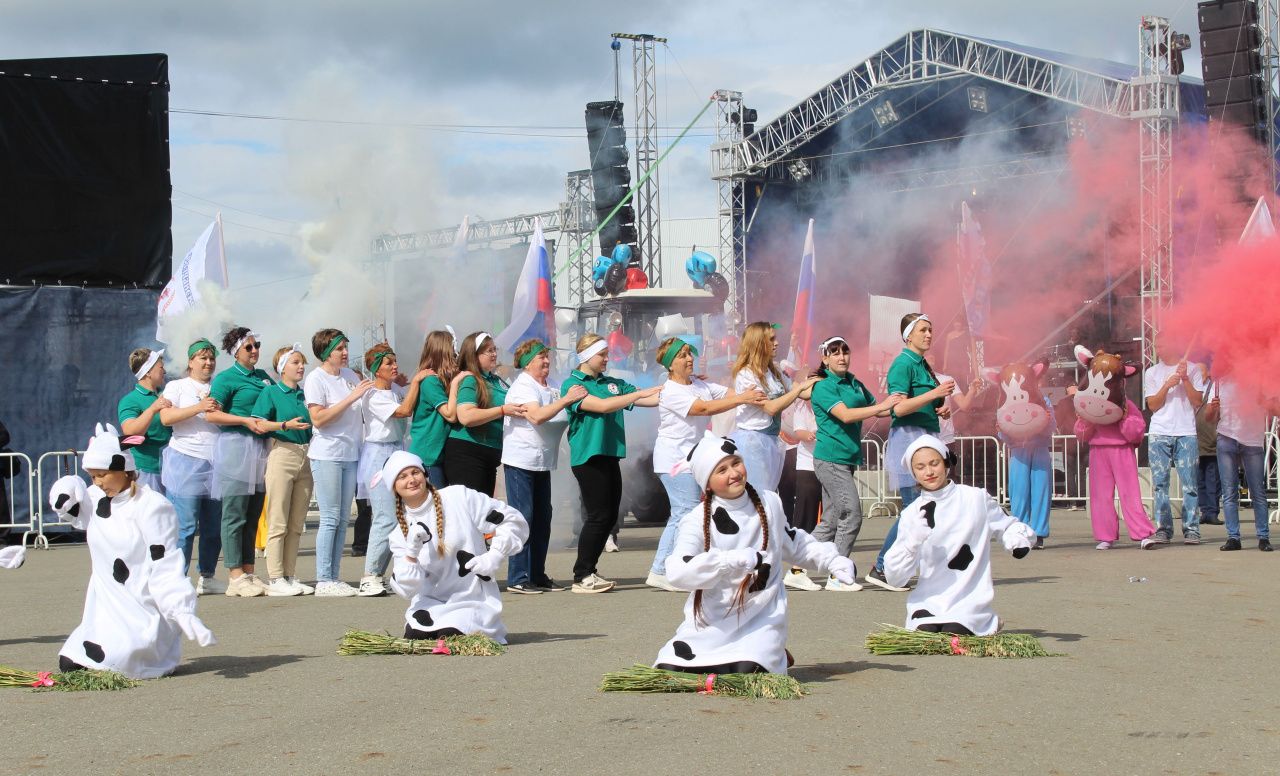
(132, 405)
(487, 434)
(908, 376)
(429, 429)
(236, 389)
(280, 403)
(839, 443)
(594, 433)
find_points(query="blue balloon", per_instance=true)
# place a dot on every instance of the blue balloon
(699, 266)
(622, 253)
(598, 270)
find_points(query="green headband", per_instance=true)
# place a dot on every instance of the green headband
(674, 351)
(377, 360)
(338, 340)
(199, 345)
(527, 357)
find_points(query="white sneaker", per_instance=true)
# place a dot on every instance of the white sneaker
(335, 590)
(799, 580)
(256, 581)
(281, 587)
(302, 589)
(835, 584)
(243, 587)
(1103, 546)
(660, 582)
(610, 545)
(209, 586)
(593, 583)
(372, 586)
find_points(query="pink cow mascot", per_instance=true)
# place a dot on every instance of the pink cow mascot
(1113, 426)
(1026, 423)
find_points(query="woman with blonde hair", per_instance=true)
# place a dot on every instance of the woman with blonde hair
(760, 424)
(139, 414)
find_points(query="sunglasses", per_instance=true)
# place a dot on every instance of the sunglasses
(253, 346)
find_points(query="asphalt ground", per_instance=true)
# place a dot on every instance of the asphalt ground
(1168, 676)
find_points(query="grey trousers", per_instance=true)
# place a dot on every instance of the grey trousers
(841, 506)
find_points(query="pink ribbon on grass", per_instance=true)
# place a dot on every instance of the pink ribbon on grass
(709, 688)
(441, 649)
(43, 679)
(956, 649)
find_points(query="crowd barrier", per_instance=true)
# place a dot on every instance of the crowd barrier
(983, 462)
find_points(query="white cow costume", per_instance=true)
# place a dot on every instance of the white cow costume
(944, 537)
(456, 592)
(139, 603)
(729, 640)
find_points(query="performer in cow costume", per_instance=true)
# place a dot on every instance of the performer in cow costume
(733, 551)
(944, 536)
(1112, 425)
(441, 563)
(1026, 423)
(140, 602)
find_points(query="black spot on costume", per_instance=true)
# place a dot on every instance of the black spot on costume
(120, 571)
(962, 559)
(157, 551)
(683, 651)
(724, 524)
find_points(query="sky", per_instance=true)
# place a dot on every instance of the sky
(349, 88)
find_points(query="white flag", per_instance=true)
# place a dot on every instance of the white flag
(205, 261)
(1260, 226)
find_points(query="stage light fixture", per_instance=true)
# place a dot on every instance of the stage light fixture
(978, 99)
(885, 114)
(1075, 127)
(799, 170)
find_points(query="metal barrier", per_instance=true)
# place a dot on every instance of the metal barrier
(31, 525)
(983, 465)
(70, 464)
(1272, 471)
(872, 483)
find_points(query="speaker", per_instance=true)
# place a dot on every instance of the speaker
(1221, 14)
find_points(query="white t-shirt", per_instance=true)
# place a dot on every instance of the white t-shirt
(678, 431)
(1242, 418)
(194, 436)
(340, 439)
(800, 413)
(529, 446)
(751, 417)
(379, 408)
(947, 426)
(1176, 417)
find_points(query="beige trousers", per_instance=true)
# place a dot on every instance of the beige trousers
(288, 498)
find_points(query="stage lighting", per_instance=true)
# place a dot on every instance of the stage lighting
(978, 99)
(885, 114)
(1075, 127)
(799, 170)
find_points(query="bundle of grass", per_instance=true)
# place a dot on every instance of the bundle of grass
(892, 640)
(357, 642)
(67, 681)
(642, 678)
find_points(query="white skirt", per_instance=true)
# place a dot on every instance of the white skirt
(185, 475)
(239, 465)
(763, 455)
(900, 438)
(373, 456)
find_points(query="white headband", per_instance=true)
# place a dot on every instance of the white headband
(480, 338)
(280, 364)
(595, 348)
(906, 332)
(241, 341)
(453, 334)
(150, 362)
(830, 341)
(921, 442)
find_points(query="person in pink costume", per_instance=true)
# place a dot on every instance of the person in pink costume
(1112, 426)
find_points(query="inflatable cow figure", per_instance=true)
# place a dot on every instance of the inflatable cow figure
(1112, 426)
(1023, 414)
(1026, 424)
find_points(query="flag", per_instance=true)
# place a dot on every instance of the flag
(533, 308)
(802, 342)
(975, 272)
(206, 260)
(1260, 225)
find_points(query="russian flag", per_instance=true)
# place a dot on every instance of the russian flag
(802, 341)
(533, 308)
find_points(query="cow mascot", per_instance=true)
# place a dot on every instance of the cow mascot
(1112, 426)
(1025, 423)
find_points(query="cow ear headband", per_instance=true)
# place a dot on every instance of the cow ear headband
(595, 348)
(155, 356)
(284, 359)
(910, 327)
(108, 451)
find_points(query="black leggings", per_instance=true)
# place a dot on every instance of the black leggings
(600, 480)
(944, 627)
(741, 667)
(411, 632)
(475, 466)
(808, 498)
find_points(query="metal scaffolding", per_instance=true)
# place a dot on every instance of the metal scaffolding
(731, 211)
(647, 203)
(1155, 107)
(1269, 29)
(577, 221)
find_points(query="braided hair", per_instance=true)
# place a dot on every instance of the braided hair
(744, 588)
(435, 501)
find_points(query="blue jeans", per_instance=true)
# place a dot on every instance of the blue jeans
(529, 492)
(908, 495)
(1165, 453)
(202, 515)
(1210, 488)
(335, 489)
(382, 502)
(435, 475)
(1231, 454)
(683, 493)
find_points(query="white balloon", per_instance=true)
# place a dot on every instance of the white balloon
(566, 321)
(671, 325)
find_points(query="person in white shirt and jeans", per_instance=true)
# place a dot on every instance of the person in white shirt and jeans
(1173, 390)
(1242, 424)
